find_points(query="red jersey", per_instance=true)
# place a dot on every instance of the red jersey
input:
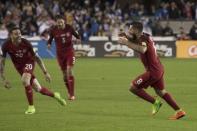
(150, 59)
(20, 54)
(63, 38)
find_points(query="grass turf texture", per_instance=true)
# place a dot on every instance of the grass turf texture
(103, 100)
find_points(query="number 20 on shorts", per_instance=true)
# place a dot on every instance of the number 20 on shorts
(28, 66)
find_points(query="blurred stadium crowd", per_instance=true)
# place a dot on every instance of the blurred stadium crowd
(99, 17)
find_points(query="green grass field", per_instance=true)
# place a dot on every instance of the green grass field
(103, 100)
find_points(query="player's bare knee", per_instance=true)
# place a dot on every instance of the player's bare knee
(25, 82)
(161, 93)
(37, 89)
(36, 85)
(69, 71)
(26, 77)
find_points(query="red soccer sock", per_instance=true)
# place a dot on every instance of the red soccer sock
(71, 85)
(168, 98)
(142, 94)
(47, 92)
(67, 85)
(29, 94)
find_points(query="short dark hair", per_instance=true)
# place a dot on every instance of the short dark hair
(137, 25)
(59, 17)
(11, 26)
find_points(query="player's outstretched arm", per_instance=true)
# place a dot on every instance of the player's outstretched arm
(2, 65)
(49, 42)
(77, 36)
(43, 68)
(139, 48)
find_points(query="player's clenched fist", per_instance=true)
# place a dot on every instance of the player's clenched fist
(122, 34)
(123, 40)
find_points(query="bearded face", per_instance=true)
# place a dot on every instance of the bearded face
(60, 23)
(132, 34)
(16, 35)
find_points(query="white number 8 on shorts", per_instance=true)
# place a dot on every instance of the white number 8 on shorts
(139, 81)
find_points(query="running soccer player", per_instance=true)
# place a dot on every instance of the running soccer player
(23, 57)
(62, 33)
(144, 45)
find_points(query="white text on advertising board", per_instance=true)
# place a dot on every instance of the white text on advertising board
(110, 47)
(165, 48)
(84, 50)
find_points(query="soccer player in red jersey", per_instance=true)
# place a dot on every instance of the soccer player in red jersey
(144, 45)
(62, 33)
(23, 57)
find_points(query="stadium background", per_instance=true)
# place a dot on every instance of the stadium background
(99, 21)
(103, 101)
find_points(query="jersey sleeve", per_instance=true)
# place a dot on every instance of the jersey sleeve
(3, 50)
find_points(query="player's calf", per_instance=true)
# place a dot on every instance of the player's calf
(160, 93)
(26, 77)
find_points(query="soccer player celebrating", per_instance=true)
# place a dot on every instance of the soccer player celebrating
(144, 45)
(23, 57)
(62, 33)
